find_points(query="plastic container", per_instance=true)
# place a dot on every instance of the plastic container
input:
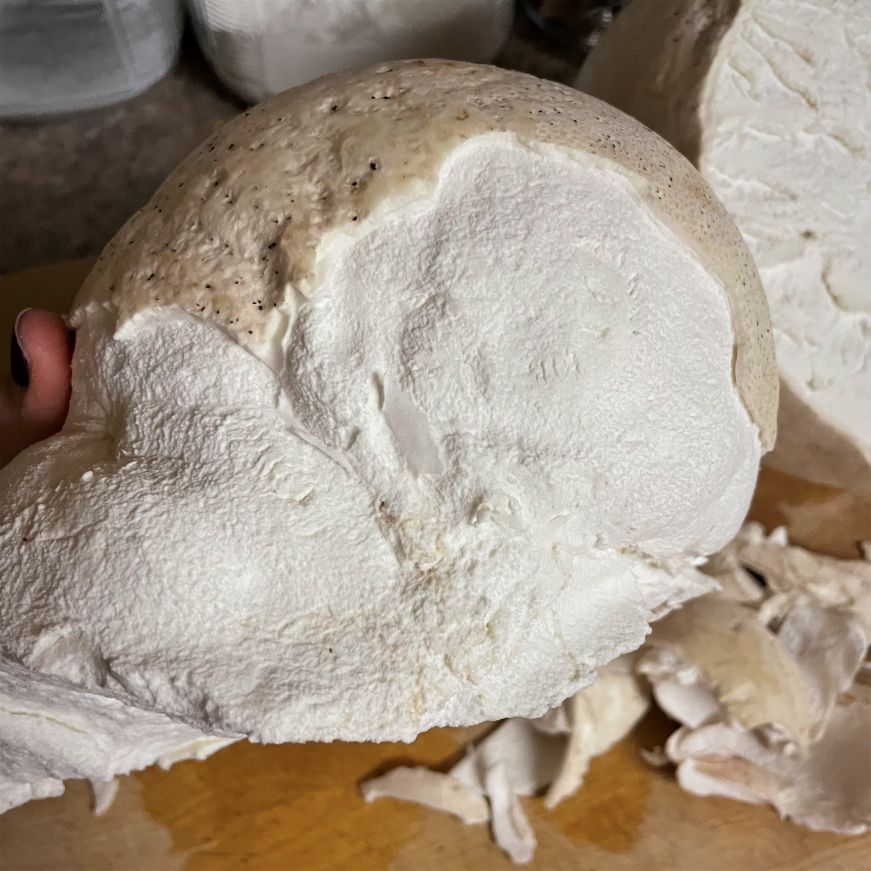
(66, 55)
(262, 47)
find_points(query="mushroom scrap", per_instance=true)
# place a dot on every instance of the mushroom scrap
(522, 757)
(767, 678)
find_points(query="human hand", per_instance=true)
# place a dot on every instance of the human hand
(34, 401)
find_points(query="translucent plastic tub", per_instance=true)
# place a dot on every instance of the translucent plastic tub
(66, 55)
(261, 47)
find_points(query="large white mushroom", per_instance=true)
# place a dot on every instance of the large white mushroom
(410, 399)
(771, 101)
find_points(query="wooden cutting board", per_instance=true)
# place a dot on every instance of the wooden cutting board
(297, 806)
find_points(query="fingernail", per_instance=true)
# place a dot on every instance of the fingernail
(18, 362)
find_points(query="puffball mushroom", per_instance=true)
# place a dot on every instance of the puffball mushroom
(772, 105)
(410, 399)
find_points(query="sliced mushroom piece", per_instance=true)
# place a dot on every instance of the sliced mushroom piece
(104, 793)
(432, 789)
(838, 583)
(678, 688)
(511, 827)
(825, 786)
(744, 663)
(600, 716)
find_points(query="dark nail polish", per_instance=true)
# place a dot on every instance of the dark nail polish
(18, 363)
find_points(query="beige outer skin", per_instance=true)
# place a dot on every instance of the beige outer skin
(232, 235)
(652, 64)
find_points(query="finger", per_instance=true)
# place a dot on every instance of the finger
(46, 350)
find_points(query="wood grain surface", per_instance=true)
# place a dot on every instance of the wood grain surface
(298, 807)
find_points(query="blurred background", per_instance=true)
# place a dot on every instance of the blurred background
(99, 99)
